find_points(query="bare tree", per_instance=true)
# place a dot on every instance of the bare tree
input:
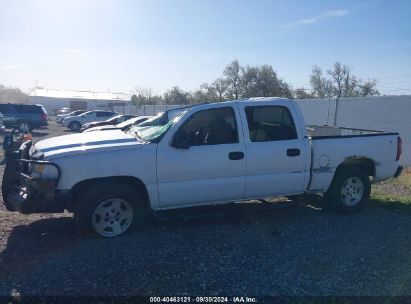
(368, 88)
(318, 82)
(233, 72)
(340, 75)
(302, 93)
(142, 95)
(220, 87)
(342, 83)
(12, 94)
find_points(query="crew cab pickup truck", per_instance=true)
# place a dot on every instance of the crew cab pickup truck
(210, 153)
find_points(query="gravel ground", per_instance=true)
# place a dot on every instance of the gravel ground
(244, 249)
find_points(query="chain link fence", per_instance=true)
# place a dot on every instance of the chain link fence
(145, 110)
(381, 113)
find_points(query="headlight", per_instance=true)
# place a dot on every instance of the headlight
(44, 171)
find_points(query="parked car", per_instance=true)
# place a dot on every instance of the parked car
(26, 116)
(59, 118)
(124, 126)
(62, 111)
(2, 127)
(74, 123)
(210, 153)
(161, 119)
(111, 121)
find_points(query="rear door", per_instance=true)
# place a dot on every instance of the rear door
(88, 117)
(277, 156)
(8, 114)
(212, 166)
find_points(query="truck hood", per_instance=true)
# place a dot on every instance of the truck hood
(68, 145)
(102, 128)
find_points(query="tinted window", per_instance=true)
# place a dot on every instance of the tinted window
(89, 114)
(104, 114)
(5, 108)
(75, 113)
(28, 109)
(270, 123)
(211, 127)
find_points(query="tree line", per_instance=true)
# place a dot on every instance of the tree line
(239, 81)
(247, 81)
(11, 94)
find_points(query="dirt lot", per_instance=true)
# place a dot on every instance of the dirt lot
(248, 249)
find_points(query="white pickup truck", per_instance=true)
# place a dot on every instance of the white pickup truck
(211, 153)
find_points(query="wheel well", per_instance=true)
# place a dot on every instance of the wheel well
(364, 163)
(129, 180)
(74, 121)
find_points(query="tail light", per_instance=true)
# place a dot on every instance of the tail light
(399, 148)
(43, 116)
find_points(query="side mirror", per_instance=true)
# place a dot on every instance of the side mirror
(182, 144)
(181, 141)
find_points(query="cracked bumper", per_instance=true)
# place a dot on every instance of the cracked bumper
(27, 194)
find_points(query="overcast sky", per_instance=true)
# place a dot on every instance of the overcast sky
(119, 44)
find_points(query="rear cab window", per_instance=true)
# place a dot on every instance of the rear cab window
(270, 123)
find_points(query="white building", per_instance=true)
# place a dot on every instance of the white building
(54, 100)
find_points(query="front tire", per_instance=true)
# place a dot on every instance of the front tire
(349, 191)
(108, 210)
(74, 126)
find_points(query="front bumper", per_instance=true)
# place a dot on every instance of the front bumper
(26, 194)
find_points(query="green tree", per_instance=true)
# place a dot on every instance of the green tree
(177, 96)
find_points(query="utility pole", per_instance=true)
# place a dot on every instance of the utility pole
(337, 101)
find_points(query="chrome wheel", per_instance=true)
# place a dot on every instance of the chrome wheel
(352, 191)
(24, 127)
(112, 217)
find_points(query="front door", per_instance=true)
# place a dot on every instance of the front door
(209, 163)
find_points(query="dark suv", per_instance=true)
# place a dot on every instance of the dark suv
(26, 116)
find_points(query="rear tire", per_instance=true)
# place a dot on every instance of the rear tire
(349, 191)
(108, 210)
(25, 126)
(74, 126)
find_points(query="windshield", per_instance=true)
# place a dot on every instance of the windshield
(114, 118)
(131, 121)
(85, 113)
(74, 113)
(153, 129)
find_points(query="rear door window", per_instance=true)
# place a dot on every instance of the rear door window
(270, 123)
(104, 114)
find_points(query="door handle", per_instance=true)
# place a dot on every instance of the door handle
(293, 152)
(235, 155)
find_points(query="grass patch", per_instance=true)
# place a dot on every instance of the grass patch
(406, 200)
(402, 203)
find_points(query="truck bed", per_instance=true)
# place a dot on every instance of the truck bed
(327, 132)
(332, 146)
